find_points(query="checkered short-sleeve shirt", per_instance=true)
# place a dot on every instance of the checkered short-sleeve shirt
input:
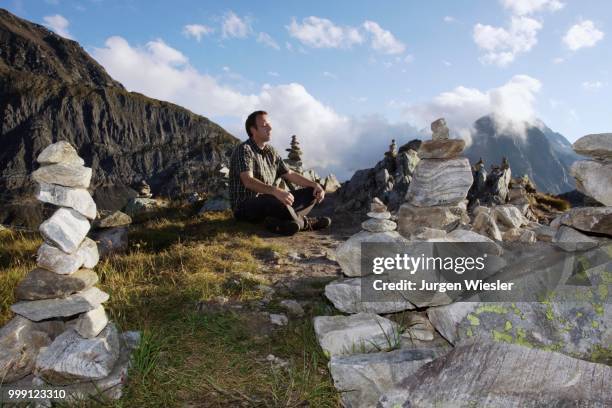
(265, 164)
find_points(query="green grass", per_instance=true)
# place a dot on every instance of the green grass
(189, 357)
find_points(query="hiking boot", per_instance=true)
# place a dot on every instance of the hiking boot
(282, 227)
(316, 223)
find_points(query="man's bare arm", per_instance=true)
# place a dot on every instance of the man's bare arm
(257, 186)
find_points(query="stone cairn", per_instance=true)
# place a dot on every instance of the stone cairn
(61, 334)
(219, 199)
(436, 197)
(585, 227)
(374, 361)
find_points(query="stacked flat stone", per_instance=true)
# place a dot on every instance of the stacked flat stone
(60, 292)
(585, 227)
(440, 183)
(379, 218)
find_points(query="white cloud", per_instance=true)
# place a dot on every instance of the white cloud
(329, 75)
(512, 106)
(382, 40)
(524, 7)
(59, 24)
(196, 31)
(267, 40)
(449, 19)
(503, 45)
(234, 26)
(273, 73)
(322, 33)
(581, 35)
(593, 85)
(330, 141)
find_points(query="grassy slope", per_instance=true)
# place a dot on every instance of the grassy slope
(187, 357)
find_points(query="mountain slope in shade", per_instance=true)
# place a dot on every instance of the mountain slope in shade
(545, 156)
(51, 90)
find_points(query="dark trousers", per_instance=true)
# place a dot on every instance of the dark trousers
(256, 209)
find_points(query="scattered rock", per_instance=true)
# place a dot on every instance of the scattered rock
(44, 284)
(116, 219)
(60, 152)
(589, 219)
(141, 205)
(571, 240)
(510, 216)
(594, 179)
(276, 361)
(111, 240)
(70, 358)
(485, 224)
(37, 310)
(363, 378)
(345, 294)
(358, 333)
(441, 148)
(503, 375)
(66, 228)
(66, 175)
(440, 182)
(215, 204)
(292, 307)
(278, 319)
(78, 199)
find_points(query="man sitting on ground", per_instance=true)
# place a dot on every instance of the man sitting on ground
(254, 168)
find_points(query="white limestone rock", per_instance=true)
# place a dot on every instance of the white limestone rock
(510, 216)
(440, 182)
(90, 324)
(355, 334)
(594, 179)
(71, 358)
(76, 198)
(67, 175)
(348, 253)
(60, 152)
(345, 294)
(378, 225)
(66, 228)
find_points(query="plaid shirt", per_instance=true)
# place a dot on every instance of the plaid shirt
(265, 164)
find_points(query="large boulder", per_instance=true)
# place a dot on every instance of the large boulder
(440, 182)
(503, 375)
(597, 146)
(596, 220)
(594, 179)
(60, 152)
(571, 240)
(356, 334)
(363, 378)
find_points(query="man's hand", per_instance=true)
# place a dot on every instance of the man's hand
(319, 193)
(284, 197)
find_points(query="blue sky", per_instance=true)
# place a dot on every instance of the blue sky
(347, 77)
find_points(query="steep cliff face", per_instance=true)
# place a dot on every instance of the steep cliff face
(51, 90)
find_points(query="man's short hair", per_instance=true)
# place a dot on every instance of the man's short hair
(251, 121)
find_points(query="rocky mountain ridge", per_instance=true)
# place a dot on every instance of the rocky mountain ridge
(51, 90)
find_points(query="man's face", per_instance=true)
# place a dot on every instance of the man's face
(263, 129)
